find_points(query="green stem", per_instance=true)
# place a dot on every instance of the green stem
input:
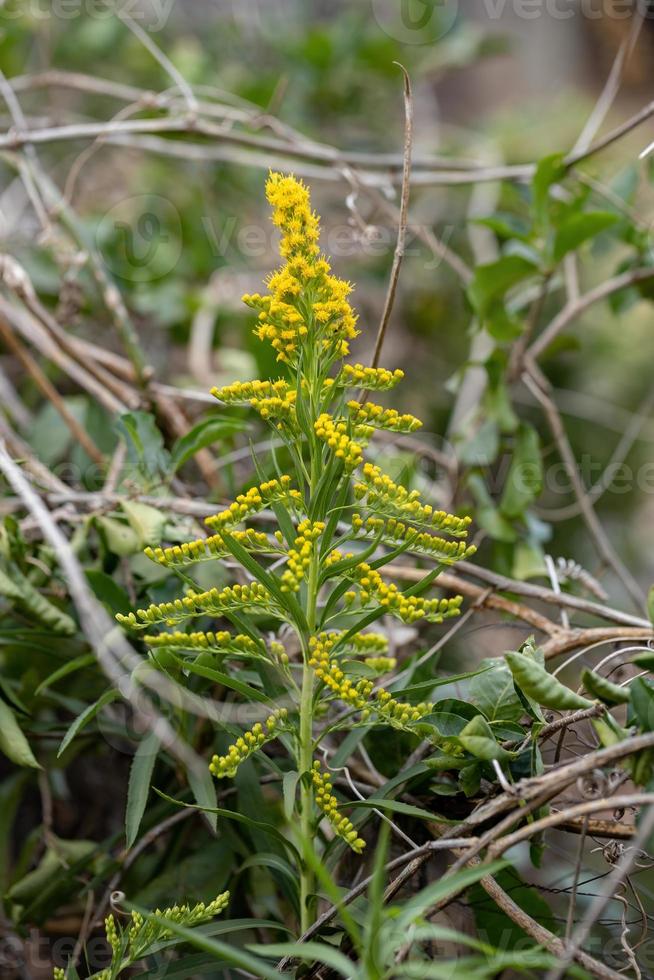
(306, 707)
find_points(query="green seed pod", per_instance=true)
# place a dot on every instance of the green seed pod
(537, 684)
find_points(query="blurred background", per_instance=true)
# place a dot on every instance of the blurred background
(137, 210)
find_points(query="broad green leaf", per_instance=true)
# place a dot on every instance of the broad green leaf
(13, 743)
(578, 229)
(120, 539)
(542, 687)
(478, 739)
(147, 522)
(85, 717)
(492, 281)
(642, 702)
(525, 477)
(550, 170)
(205, 433)
(289, 787)
(140, 777)
(145, 445)
(494, 693)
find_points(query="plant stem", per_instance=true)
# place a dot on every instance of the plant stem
(306, 711)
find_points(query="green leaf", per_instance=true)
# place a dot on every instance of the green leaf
(13, 743)
(266, 828)
(494, 692)
(578, 228)
(394, 806)
(492, 281)
(443, 888)
(525, 477)
(203, 434)
(140, 777)
(603, 689)
(85, 717)
(313, 951)
(289, 786)
(478, 739)
(85, 660)
(542, 687)
(650, 604)
(203, 787)
(550, 170)
(642, 702)
(119, 538)
(145, 445)
(146, 522)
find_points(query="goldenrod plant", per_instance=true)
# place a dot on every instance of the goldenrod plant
(311, 542)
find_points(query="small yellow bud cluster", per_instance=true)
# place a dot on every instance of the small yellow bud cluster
(382, 418)
(244, 392)
(223, 642)
(113, 938)
(399, 714)
(247, 744)
(328, 671)
(382, 494)
(372, 588)
(207, 549)
(277, 652)
(370, 642)
(328, 803)
(368, 378)
(335, 434)
(253, 501)
(299, 556)
(396, 532)
(212, 602)
(58, 973)
(332, 558)
(144, 933)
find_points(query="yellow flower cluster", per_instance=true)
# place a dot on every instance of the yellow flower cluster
(253, 501)
(247, 744)
(396, 532)
(222, 641)
(335, 434)
(329, 805)
(382, 494)
(382, 418)
(368, 378)
(299, 556)
(243, 392)
(407, 608)
(305, 302)
(213, 602)
(207, 549)
(357, 694)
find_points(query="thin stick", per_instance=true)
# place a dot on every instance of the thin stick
(401, 230)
